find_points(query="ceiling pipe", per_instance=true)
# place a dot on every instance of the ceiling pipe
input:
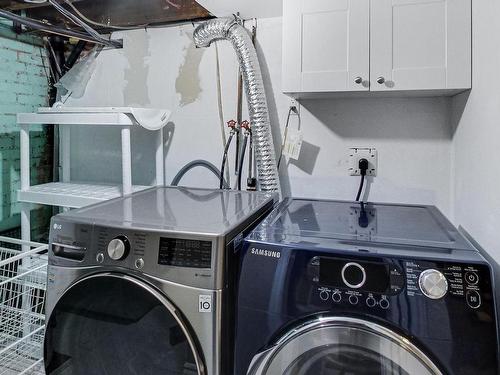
(40, 26)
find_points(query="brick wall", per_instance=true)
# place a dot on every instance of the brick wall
(23, 88)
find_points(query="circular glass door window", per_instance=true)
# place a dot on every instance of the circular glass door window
(343, 360)
(114, 325)
(342, 346)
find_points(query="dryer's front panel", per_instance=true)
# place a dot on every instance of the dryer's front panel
(115, 324)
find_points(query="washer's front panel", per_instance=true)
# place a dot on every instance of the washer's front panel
(447, 309)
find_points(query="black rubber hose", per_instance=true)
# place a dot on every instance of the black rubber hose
(74, 55)
(240, 162)
(197, 163)
(224, 160)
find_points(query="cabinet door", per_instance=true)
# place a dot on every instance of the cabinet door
(325, 45)
(420, 44)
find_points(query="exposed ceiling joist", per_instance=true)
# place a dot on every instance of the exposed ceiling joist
(127, 13)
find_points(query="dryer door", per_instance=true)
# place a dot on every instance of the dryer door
(329, 346)
(115, 324)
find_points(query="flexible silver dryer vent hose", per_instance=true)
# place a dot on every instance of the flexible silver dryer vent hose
(229, 29)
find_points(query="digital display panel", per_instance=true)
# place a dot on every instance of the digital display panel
(377, 275)
(185, 253)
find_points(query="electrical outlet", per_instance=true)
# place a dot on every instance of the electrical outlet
(358, 153)
(294, 103)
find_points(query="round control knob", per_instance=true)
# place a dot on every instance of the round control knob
(324, 295)
(118, 248)
(371, 302)
(337, 297)
(353, 300)
(433, 284)
(353, 275)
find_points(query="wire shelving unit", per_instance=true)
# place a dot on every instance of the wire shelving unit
(23, 283)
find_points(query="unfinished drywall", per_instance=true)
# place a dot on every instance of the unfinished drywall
(412, 135)
(476, 141)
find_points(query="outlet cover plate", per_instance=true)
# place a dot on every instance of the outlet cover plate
(358, 153)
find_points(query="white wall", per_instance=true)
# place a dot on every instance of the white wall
(476, 142)
(161, 68)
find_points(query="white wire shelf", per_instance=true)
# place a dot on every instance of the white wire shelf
(148, 118)
(73, 195)
(23, 284)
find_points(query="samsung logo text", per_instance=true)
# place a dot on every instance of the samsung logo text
(266, 253)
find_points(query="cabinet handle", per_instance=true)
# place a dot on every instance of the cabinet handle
(380, 80)
(358, 80)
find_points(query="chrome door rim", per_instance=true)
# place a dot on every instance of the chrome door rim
(263, 361)
(160, 297)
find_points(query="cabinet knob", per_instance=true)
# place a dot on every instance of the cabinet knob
(358, 80)
(380, 80)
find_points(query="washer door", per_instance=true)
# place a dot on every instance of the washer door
(115, 324)
(347, 346)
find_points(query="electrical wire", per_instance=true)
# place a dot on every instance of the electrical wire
(361, 183)
(224, 159)
(242, 158)
(95, 23)
(51, 29)
(77, 21)
(285, 135)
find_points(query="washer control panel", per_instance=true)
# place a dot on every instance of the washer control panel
(185, 259)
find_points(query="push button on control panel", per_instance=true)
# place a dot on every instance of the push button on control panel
(371, 302)
(384, 303)
(337, 297)
(471, 278)
(324, 295)
(353, 300)
(139, 263)
(473, 298)
(99, 258)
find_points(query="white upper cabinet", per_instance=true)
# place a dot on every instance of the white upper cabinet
(326, 45)
(377, 45)
(420, 44)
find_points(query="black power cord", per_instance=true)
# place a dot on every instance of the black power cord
(363, 167)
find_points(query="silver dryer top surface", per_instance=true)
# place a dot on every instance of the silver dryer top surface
(208, 211)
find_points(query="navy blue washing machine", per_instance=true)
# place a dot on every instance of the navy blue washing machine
(331, 287)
